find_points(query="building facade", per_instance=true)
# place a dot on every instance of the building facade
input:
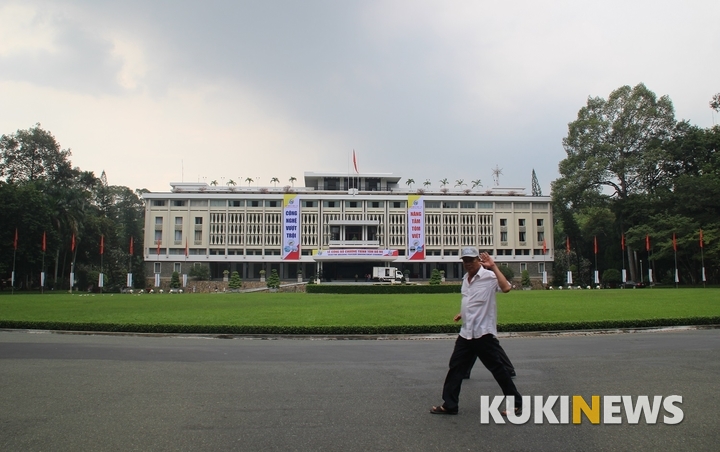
(339, 226)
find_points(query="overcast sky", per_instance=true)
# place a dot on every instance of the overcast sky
(160, 91)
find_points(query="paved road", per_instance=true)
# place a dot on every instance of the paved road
(88, 392)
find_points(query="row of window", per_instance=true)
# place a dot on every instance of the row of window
(348, 204)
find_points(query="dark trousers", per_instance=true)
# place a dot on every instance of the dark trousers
(503, 357)
(487, 348)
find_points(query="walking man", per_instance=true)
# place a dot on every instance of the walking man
(478, 334)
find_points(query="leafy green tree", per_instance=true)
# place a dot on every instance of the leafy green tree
(715, 102)
(175, 280)
(200, 272)
(33, 154)
(611, 277)
(507, 272)
(273, 281)
(435, 277)
(525, 279)
(235, 281)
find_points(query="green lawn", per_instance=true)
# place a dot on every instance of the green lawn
(300, 309)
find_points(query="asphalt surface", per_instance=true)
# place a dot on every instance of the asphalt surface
(63, 392)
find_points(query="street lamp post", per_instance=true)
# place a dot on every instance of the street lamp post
(641, 271)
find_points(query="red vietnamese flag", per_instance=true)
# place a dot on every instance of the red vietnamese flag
(187, 251)
(15, 242)
(674, 242)
(567, 244)
(701, 240)
(44, 243)
(131, 246)
(102, 244)
(647, 243)
(72, 244)
(622, 242)
(355, 162)
(158, 247)
(596, 248)
(544, 247)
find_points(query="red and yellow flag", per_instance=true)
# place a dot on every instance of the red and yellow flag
(44, 243)
(596, 247)
(674, 242)
(131, 246)
(701, 239)
(158, 247)
(544, 247)
(567, 244)
(647, 243)
(102, 244)
(15, 241)
(72, 243)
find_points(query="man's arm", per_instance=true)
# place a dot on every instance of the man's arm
(488, 262)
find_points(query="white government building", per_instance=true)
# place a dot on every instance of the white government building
(339, 225)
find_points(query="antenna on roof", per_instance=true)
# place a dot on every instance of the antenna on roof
(497, 171)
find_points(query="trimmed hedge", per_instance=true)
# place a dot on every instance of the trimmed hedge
(383, 288)
(349, 330)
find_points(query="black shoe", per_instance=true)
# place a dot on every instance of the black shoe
(513, 374)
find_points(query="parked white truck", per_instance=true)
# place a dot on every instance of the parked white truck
(391, 274)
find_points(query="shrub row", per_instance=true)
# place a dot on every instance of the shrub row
(348, 330)
(382, 288)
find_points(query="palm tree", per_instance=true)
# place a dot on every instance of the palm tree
(214, 183)
(275, 180)
(292, 180)
(427, 183)
(476, 183)
(443, 182)
(409, 182)
(249, 180)
(231, 183)
(460, 183)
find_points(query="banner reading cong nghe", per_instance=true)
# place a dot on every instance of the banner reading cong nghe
(291, 227)
(416, 227)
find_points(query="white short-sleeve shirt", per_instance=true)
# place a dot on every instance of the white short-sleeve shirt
(478, 308)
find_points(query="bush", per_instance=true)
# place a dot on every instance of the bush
(175, 280)
(611, 277)
(235, 281)
(435, 277)
(525, 279)
(384, 289)
(507, 272)
(273, 281)
(200, 272)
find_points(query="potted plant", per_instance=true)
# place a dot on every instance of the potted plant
(262, 275)
(225, 275)
(299, 276)
(442, 275)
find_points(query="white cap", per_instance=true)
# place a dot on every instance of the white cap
(469, 252)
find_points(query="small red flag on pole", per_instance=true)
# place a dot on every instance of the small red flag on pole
(567, 244)
(674, 242)
(15, 242)
(622, 242)
(647, 243)
(355, 162)
(187, 251)
(44, 243)
(102, 244)
(158, 247)
(701, 239)
(596, 247)
(544, 247)
(131, 246)
(72, 243)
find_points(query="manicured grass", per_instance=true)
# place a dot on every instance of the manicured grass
(299, 309)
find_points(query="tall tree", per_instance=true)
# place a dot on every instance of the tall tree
(32, 154)
(614, 148)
